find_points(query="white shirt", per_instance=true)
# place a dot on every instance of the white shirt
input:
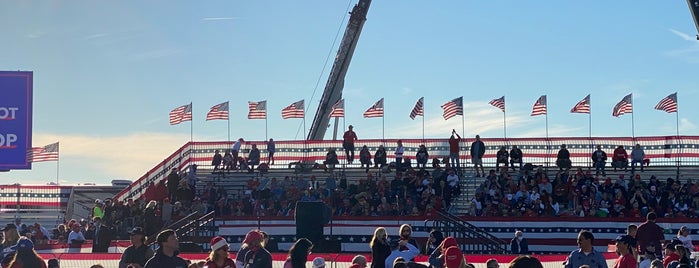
(407, 254)
(686, 242)
(75, 236)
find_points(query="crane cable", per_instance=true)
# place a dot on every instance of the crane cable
(325, 65)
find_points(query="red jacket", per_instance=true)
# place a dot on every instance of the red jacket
(620, 155)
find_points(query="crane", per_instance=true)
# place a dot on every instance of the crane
(694, 8)
(336, 81)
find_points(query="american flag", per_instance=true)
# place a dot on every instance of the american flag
(539, 106)
(295, 110)
(668, 104)
(338, 109)
(499, 102)
(375, 110)
(181, 114)
(583, 106)
(418, 109)
(218, 112)
(46, 153)
(453, 108)
(624, 106)
(258, 110)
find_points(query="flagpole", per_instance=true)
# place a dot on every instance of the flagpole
(633, 135)
(383, 127)
(265, 124)
(191, 125)
(504, 124)
(58, 160)
(229, 126)
(679, 143)
(423, 126)
(305, 144)
(548, 147)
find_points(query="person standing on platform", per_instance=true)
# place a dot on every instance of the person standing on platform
(271, 148)
(348, 143)
(454, 150)
(477, 152)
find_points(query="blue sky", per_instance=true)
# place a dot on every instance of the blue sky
(106, 73)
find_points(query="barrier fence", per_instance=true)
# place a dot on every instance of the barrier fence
(332, 260)
(673, 151)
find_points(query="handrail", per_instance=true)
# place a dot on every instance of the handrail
(193, 225)
(176, 225)
(468, 230)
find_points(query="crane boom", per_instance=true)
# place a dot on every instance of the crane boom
(336, 80)
(694, 8)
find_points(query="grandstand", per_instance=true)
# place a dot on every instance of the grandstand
(670, 156)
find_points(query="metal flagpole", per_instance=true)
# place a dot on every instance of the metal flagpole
(504, 123)
(229, 126)
(191, 124)
(265, 124)
(423, 128)
(305, 144)
(633, 135)
(423, 120)
(679, 143)
(57, 160)
(383, 126)
(548, 143)
(589, 125)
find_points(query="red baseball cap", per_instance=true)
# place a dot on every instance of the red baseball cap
(453, 257)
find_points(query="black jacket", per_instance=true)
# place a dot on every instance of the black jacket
(160, 260)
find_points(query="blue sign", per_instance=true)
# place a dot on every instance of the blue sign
(15, 119)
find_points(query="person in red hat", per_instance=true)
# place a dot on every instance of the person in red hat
(257, 256)
(454, 258)
(218, 258)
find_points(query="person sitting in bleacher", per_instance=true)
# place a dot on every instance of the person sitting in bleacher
(563, 158)
(330, 159)
(253, 158)
(620, 158)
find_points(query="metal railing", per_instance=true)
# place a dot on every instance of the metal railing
(472, 239)
(660, 150)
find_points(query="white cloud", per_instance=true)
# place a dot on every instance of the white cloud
(683, 35)
(127, 156)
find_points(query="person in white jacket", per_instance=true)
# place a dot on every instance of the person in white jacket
(396, 252)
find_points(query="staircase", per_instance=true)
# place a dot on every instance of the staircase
(190, 225)
(471, 239)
